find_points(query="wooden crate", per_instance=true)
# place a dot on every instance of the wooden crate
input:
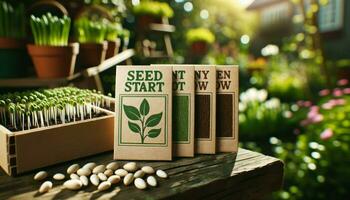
(27, 150)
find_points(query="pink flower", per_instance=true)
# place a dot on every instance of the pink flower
(307, 103)
(326, 134)
(327, 106)
(324, 92)
(340, 102)
(317, 118)
(342, 82)
(337, 92)
(346, 91)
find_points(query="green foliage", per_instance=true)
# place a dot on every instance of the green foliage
(113, 30)
(286, 86)
(89, 31)
(50, 30)
(317, 164)
(139, 115)
(257, 113)
(153, 8)
(12, 22)
(200, 35)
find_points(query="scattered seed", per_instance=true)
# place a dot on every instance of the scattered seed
(148, 169)
(140, 183)
(108, 172)
(73, 168)
(130, 167)
(114, 179)
(104, 186)
(84, 172)
(74, 176)
(121, 172)
(84, 180)
(40, 176)
(152, 181)
(162, 174)
(90, 165)
(139, 174)
(128, 179)
(73, 184)
(102, 176)
(59, 176)
(94, 180)
(99, 169)
(112, 166)
(45, 187)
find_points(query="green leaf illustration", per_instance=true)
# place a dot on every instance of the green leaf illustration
(134, 127)
(154, 133)
(144, 107)
(154, 120)
(132, 112)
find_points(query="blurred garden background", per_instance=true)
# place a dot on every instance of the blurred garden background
(294, 59)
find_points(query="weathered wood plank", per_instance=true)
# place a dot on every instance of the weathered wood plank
(246, 175)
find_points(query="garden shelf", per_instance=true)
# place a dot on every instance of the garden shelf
(242, 175)
(23, 151)
(87, 73)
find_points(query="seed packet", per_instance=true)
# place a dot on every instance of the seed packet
(143, 122)
(227, 108)
(183, 110)
(205, 109)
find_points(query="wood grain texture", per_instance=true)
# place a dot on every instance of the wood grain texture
(246, 175)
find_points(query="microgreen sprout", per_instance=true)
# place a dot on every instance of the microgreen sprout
(89, 31)
(33, 109)
(50, 30)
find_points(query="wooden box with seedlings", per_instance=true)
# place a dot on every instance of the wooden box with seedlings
(45, 127)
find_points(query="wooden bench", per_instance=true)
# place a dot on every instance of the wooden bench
(246, 175)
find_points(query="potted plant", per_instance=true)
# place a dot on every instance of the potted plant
(12, 44)
(199, 39)
(52, 56)
(57, 121)
(91, 36)
(112, 32)
(148, 12)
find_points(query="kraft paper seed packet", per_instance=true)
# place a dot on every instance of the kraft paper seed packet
(205, 109)
(227, 108)
(143, 122)
(183, 110)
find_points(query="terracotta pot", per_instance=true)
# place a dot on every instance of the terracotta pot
(54, 61)
(92, 54)
(199, 48)
(10, 50)
(113, 48)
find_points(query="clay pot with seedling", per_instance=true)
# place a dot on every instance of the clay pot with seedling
(199, 39)
(52, 56)
(112, 32)
(91, 36)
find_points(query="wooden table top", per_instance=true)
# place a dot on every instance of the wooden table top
(246, 175)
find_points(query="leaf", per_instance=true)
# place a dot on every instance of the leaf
(144, 107)
(132, 112)
(134, 127)
(154, 120)
(154, 133)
